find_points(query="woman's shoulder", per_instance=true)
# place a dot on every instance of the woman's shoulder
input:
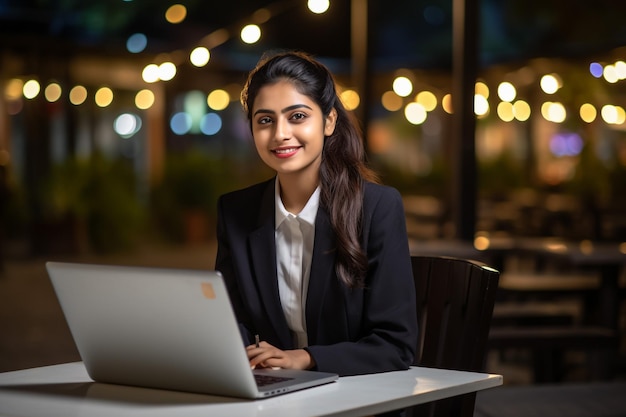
(376, 190)
(379, 196)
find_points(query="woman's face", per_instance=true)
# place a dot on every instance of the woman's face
(289, 129)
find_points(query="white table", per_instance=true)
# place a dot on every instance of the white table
(66, 390)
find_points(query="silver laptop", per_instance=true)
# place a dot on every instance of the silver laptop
(164, 328)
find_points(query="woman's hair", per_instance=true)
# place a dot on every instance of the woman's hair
(343, 168)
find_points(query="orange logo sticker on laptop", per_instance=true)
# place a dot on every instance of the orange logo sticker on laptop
(207, 290)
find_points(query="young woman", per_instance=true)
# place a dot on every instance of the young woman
(316, 259)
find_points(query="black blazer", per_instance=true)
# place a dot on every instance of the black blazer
(350, 331)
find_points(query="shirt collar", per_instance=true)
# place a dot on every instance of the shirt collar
(308, 213)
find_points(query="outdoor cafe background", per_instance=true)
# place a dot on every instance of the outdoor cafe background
(121, 123)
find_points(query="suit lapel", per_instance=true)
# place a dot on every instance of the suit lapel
(263, 254)
(321, 272)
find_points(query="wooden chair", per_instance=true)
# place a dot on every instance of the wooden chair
(455, 300)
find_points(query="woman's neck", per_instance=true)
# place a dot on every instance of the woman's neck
(295, 191)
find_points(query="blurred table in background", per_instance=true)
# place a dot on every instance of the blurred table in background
(608, 259)
(557, 268)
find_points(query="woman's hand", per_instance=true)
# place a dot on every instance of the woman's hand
(268, 356)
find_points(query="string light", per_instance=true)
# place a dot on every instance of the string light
(318, 6)
(251, 34)
(391, 100)
(402, 86)
(31, 89)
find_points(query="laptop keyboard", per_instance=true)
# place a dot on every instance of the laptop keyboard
(263, 380)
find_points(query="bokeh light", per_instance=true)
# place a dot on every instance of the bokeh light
(251, 34)
(200, 56)
(402, 86)
(505, 111)
(218, 99)
(318, 6)
(506, 91)
(521, 110)
(610, 74)
(427, 99)
(13, 89)
(482, 89)
(136, 43)
(78, 95)
(566, 144)
(180, 123)
(52, 92)
(620, 68)
(550, 83)
(415, 113)
(621, 115)
(31, 89)
(588, 113)
(150, 73)
(195, 106)
(127, 124)
(167, 71)
(482, 241)
(350, 99)
(144, 99)
(446, 103)
(103, 97)
(210, 124)
(614, 115)
(481, 105)
(553, 112)
(391, 101)
(596, 69)
(176, 13)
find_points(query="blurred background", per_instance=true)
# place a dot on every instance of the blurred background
(120, 124)
(121, 118)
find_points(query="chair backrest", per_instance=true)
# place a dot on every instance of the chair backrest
(455, 299)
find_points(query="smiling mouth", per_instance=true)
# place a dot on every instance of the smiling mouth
(285, 151)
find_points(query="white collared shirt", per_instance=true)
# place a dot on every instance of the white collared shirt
(294, 250)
